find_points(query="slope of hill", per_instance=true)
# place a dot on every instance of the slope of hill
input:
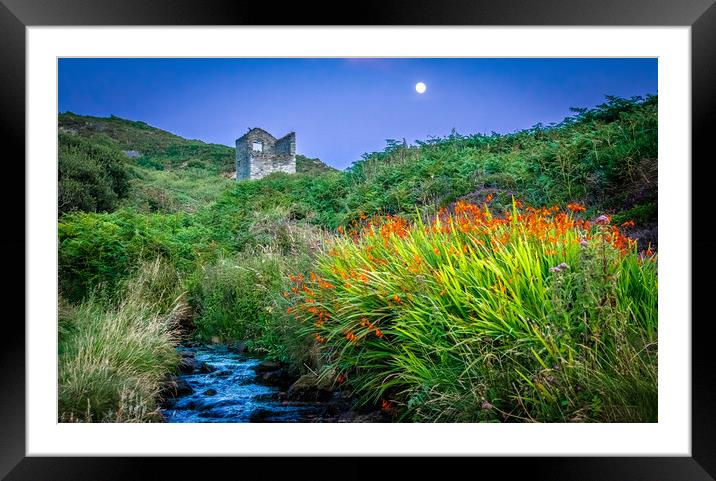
(307, 165)
(190, 243)
(152, 147)
(605, 158)
(167, 173)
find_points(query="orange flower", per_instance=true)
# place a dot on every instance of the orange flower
(396, 298)
(386, 405)
(340, 229)
(576, 207)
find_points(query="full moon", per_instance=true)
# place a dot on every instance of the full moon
(420, 87)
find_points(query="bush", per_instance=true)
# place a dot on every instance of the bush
(92, 177)
(103, 249)
(534, 315)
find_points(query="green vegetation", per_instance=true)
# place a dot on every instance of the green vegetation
(533, 316)
(574, 345)
(311, 166)
(605, 157)
(186, 190)
(114, 351)
(91, 177)
(109, 163)
(240, 297)
(156, 148)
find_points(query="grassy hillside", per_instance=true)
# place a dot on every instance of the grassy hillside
(348, 272)
(605, 157)
(166, 173)
(311, 166)
(154, 148)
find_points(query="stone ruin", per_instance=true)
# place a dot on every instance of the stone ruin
(259, 153)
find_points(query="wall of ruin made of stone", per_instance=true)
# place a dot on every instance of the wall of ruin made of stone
(262, 165)
(275, 156)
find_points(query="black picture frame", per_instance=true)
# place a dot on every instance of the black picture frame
(700, 15)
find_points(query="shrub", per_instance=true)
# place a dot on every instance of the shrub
(103, 249)
(92, 177)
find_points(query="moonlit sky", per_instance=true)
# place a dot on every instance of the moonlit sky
(342, 108)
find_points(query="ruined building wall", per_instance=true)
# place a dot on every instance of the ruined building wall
(259, 153)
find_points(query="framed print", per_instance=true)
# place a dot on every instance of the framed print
(224, 259)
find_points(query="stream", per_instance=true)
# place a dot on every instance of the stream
(230, 393)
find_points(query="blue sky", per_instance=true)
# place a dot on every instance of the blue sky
(341, 108)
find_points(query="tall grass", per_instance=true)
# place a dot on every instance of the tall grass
(181, 190)
(240, 297)
(114, 352)
(532, 315)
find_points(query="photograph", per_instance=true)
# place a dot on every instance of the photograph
(357, 239)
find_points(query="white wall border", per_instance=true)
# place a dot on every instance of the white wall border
(670, 436)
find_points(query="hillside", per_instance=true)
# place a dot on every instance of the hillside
(150, 146)
(604, 158)
(513, 255)
(311, 166)
(165, 172)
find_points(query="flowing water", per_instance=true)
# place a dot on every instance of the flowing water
(230, 394)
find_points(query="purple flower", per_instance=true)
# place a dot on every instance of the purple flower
(559, 268)
(603, 220)
(486, 405)
(583, 243)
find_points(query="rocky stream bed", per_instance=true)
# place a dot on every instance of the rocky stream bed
(224, 384)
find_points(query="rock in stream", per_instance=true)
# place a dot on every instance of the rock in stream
(223, 384)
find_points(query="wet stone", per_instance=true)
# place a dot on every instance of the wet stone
(222, 387)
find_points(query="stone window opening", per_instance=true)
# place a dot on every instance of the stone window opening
(257, 146)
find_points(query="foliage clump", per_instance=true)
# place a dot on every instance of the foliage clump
(537, 314)
(92, 177)
(116, 348)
